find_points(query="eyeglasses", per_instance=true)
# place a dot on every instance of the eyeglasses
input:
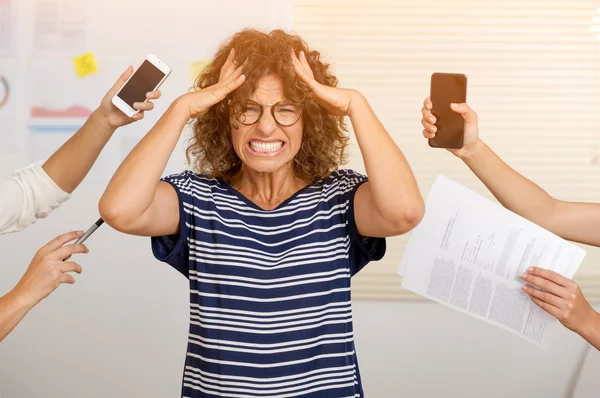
(285, 113)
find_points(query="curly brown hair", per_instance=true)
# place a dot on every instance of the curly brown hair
(324, 139)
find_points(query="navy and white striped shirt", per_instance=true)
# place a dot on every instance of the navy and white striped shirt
(270, 311)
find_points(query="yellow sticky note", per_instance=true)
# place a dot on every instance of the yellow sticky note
(85, 64)
(197, 67)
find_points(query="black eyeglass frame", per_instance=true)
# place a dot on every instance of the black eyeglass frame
(272, 106)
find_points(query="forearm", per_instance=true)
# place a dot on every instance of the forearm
(393, 185)
(512, 190)
(13, 309)
(591, 332)
(132, 188)
(69, 165)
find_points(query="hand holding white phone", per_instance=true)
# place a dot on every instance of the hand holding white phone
(148, 77)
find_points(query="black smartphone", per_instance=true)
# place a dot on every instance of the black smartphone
(447, 88)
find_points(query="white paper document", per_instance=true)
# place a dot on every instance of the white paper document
(468, 253)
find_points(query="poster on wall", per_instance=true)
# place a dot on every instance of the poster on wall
(60, 26)
(7, 26)
(8, 108)
(58, 104)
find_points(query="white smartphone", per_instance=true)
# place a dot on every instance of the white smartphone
(148, 77)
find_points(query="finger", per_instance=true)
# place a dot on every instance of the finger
(67, 251)
(299, 68)
(427, 103)
(546, 297)
(70, 266)
(293, 53)
(295, 61)
(551, 276)
(138, 116)
(234, 84)
(121, 81)
(228, 66)
(306, 65)
(298, 65)
(151, 95)
(550, 309)
(427, 134)
(221, 91)
(231, 57)
(143, 106)
(465, 111)
(66, 278)
(59, 241)
(546, 285)
(430, 128)
(232, 77)
(428, 116)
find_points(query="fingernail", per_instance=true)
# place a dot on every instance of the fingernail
(433, 129)
(530, 269)
(524, 275)
(432, 119)
(79, 233)
(524, 288)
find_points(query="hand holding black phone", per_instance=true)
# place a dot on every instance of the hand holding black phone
(447, 88)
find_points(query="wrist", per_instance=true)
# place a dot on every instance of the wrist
(22, 299)
(181, 107)
(472, 151)
(357, 100)
(591, 328)
(99, 119)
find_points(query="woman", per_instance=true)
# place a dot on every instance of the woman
(268, 232)
(560, 297)
(38, 189)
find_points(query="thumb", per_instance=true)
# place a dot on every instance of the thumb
(121, 81)
(465, 111)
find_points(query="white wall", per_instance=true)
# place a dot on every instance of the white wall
(588, 383)
(421, 349)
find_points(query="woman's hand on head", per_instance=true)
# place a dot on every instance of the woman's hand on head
(335, 100)
(199, 102)
(471, 125)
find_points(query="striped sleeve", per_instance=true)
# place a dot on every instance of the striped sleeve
(363, 249)
(174, 249)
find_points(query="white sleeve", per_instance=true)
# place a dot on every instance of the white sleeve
(29, 195)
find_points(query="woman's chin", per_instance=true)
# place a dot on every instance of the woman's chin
(267, 165)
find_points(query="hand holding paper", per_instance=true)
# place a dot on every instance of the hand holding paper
(469, 253)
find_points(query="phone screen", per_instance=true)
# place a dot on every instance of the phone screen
(145, 79)
(447, 88)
